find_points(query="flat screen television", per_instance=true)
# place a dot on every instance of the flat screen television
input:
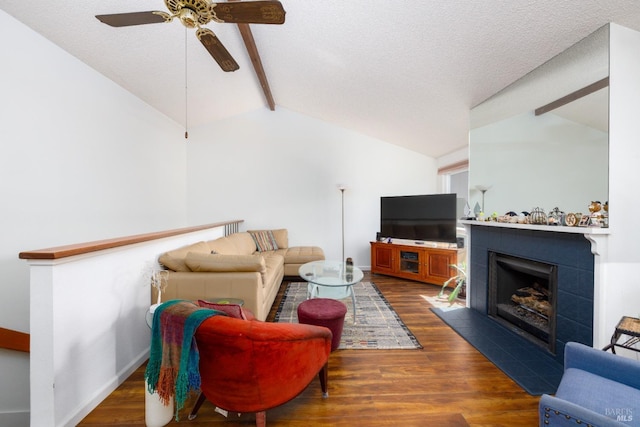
(430, 217)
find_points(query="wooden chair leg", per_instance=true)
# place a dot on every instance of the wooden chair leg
(323, 380)
(196, 407)
(261, 419)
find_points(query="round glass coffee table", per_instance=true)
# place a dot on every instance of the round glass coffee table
(331, 279)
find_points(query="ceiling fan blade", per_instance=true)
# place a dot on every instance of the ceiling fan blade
(217, 50)
(249, 12)
(134, 18)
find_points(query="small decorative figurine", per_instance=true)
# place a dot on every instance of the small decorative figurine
(596, 215)
(477, 210)
(538, 216)
(523, 218)
(556, 217)
(571, 220)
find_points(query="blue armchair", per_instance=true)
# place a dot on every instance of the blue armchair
(597, 389)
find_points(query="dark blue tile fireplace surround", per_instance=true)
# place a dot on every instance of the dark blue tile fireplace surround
(571, 252)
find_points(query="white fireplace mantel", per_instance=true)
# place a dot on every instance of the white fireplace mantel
(549, 228)
(596, 235)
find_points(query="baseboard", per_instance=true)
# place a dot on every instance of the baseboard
(17, 419)
(103, 393)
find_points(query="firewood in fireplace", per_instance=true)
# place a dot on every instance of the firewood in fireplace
(536, 290)
(535, 297)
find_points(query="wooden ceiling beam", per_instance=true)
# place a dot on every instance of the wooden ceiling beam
(250, 44)
(587, 90)
(252, 49)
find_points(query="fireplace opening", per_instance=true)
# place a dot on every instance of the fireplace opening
(522, 296)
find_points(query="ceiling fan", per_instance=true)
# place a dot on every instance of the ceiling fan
(196, 13)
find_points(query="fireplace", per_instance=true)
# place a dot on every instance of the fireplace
(522, 296)
(569, 253)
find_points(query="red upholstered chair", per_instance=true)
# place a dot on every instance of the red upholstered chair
(251, 366)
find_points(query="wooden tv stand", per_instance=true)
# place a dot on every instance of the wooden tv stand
(424, 264)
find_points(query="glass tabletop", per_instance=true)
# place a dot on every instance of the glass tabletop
(330, 273)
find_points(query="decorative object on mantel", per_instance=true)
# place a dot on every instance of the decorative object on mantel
(467, 210)
(598, 216)
(510, 217)
(571, 219)
(538, 217)
(556, 217)
(584, 220)
(595, 219)
(477, 209)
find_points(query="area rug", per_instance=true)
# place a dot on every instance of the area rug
(530, 366)
(377, 325)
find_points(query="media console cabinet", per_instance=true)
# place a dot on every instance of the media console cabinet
(420, 263)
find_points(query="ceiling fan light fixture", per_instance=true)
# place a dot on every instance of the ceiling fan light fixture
(188, 17)
(191, 12)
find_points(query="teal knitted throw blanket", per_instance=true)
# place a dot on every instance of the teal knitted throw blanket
(172, 370)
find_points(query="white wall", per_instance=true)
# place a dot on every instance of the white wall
(82, 159)
(281, 169)
(621, 296)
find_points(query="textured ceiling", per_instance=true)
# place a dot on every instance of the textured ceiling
(406, 72)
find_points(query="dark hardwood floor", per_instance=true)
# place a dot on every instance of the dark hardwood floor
(447, 383)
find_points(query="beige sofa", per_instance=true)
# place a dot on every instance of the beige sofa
(234, 267)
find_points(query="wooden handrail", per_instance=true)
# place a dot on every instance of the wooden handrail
(14, 340)
(83, 248)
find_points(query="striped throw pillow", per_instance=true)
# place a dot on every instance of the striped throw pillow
(264, 240)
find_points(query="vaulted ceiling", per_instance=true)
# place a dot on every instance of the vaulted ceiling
(402, 71)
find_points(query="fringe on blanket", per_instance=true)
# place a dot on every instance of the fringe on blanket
(172, 370)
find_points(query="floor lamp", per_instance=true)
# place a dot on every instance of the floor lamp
(342, 188)
(483, 189)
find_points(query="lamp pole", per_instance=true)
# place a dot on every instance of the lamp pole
(483, 189)
(342, 202)
(342, 188)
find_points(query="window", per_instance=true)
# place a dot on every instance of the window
(455, 179)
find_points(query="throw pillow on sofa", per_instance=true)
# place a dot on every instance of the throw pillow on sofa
(281, 235)
(265, 240)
